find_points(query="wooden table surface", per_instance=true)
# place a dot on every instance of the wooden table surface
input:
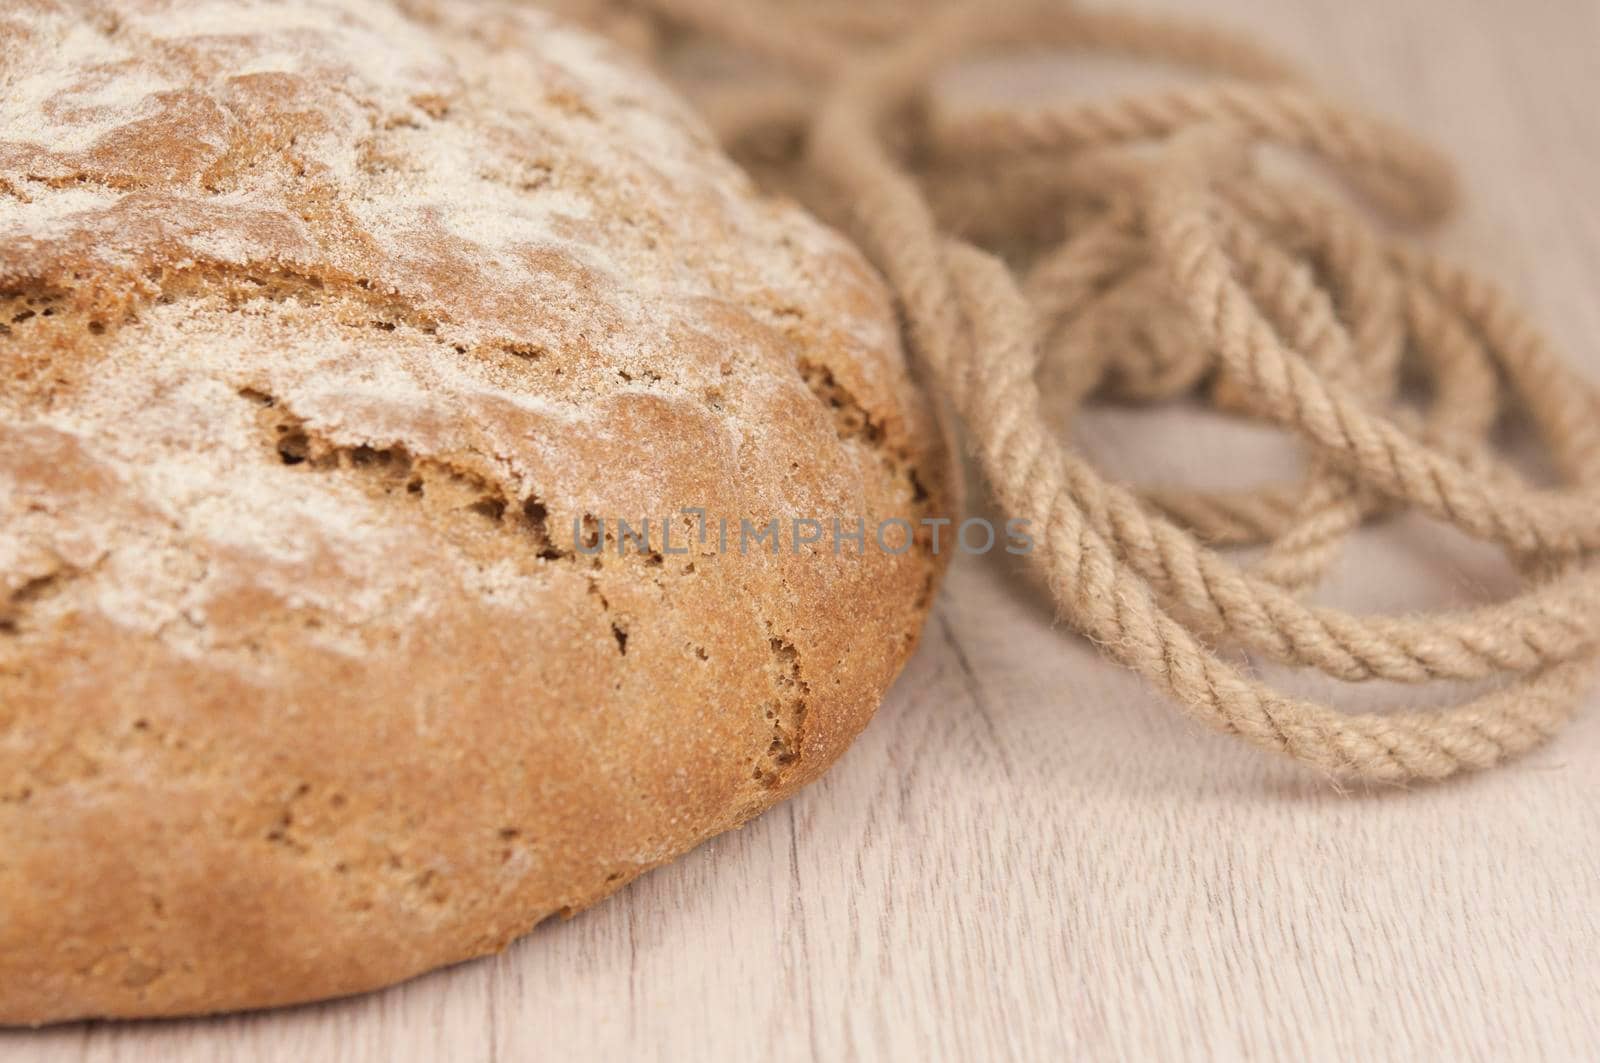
(1029, 853)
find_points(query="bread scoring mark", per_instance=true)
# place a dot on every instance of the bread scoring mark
(468, 509)
(69, 306)
(854, 422)
(851, 420)
(326, 288)
(458, 500)
(785, 713)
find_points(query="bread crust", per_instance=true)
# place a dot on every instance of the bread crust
(324, 326)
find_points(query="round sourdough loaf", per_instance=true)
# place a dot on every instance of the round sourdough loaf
(322, 326)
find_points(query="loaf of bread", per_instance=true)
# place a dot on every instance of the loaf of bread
(337, 341)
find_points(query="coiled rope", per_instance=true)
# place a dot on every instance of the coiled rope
(1144, 248)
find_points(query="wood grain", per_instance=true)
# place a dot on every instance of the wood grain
(1028, 853)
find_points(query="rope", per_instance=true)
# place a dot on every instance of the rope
(1153, 247)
